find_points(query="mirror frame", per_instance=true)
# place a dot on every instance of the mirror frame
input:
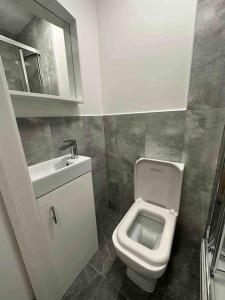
(53, 12)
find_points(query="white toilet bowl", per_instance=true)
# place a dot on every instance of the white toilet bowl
(143, 239)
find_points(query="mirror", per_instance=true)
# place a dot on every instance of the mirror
(36, 53)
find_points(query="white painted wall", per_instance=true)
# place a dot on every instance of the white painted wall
(84, 11)
(145, 53)
(14, 284)
(135, 56)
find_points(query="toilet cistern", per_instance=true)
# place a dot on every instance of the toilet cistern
(72, 144)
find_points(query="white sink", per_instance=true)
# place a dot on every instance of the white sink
(51, 174)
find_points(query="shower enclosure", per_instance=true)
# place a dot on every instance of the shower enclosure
(213, 244)
(22, 64)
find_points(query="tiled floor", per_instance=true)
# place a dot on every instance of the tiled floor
(104, 278)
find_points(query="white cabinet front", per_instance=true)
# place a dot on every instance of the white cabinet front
(68, 216)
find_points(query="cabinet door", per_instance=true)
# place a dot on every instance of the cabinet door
(73, 234)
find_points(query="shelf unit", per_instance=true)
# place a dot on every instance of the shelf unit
(18, 95)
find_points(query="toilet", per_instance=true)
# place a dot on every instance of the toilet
(143, 239)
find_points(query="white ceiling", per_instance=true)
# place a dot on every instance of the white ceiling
(13, 17)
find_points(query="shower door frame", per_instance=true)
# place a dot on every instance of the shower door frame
(18, 44)
(211, 245)
(34, 51)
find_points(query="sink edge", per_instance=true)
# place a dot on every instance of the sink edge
(46, 184)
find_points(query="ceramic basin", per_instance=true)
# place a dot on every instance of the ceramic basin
(51, 174)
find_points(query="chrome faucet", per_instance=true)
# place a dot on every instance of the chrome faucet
(72, 144)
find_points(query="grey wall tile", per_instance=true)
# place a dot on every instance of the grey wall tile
(193, 214)
(112, 162)
(129, 137)
(202, 142)
(100, 190)
(203, 138)
(114, 193)
(95, 141)
(37, 139)
(207, 81)
(110, 129)
(64, 129)
(126, 190)
(165, 135)
(125, 143)
(205, 117)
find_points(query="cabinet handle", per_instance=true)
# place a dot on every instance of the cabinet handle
(53, 215)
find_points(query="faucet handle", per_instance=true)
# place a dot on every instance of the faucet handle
(71, 142)
(68, 143)
(64, 147)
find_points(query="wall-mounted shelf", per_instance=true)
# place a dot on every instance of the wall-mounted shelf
(18, 95)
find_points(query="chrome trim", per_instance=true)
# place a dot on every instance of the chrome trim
(204, 285)
(216, 185)
(218, 246)
(220, 233)
(211, 246)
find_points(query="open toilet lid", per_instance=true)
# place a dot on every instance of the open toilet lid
(158, 182)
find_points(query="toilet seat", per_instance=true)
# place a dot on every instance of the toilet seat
(160, 255)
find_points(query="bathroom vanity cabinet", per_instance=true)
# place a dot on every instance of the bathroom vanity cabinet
(69, 224)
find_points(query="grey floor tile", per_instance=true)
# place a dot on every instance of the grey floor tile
(105, 275)
(91, 286)
(106, 223)
(118, 279)
(104, 258)
(81, 283)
